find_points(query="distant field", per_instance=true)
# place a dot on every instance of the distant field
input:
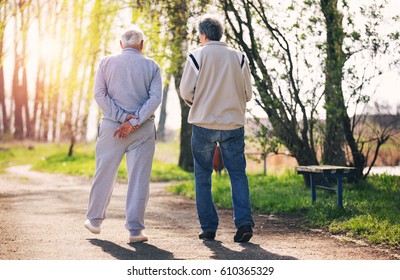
(389, 170)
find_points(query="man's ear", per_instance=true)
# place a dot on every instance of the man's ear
(141, 45)
(120, 43)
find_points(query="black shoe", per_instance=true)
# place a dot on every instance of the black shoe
(207, 235)
(243, 234)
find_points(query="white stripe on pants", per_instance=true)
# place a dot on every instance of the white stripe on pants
(139, 149)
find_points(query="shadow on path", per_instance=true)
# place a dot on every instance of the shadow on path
(140, 251)
(250, 251)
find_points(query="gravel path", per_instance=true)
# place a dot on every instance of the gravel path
(42, 215)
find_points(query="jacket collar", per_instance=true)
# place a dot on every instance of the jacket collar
(215, 43)
(130, 50)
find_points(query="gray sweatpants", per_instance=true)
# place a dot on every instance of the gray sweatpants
(139, 149)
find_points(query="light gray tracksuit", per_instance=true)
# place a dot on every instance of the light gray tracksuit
(126, 83)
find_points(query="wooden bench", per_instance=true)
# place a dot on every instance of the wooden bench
(328, 171)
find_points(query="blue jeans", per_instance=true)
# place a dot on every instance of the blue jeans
(204, 142)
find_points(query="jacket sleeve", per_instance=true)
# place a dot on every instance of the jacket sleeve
(155, 95)
(104, 101)
(187, 86)
(247, 80)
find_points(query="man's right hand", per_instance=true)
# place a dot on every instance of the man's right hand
(124, 130)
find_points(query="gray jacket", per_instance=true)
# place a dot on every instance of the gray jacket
(128, 83)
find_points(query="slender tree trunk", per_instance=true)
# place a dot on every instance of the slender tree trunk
(39, 100)
(163, 111)
(25, 101)
(71, 146)
(3, 107)
(3, 114)
(59, 27)
(16, 92)
(359, 160)
(55, 114)
(22, 14)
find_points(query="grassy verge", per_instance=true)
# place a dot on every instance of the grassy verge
(371, 208)
(371, 211)
(21, 154)
(53, 158)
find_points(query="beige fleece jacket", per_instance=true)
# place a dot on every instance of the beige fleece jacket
(216, 84)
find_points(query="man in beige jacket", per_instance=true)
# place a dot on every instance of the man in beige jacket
(216, 84)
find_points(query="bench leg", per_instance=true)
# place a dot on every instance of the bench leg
(340, 191)
(313, 191)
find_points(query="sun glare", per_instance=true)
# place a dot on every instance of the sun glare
(48, 48)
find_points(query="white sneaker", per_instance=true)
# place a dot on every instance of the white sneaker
(138, 238)
(91, 228)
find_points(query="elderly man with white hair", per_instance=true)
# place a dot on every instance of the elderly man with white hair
(128, 90)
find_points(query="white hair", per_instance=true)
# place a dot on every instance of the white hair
(132, 37)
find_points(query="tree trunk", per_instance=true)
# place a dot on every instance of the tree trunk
(16, 92)
(185, 156)
(179, 13)
(24, 95)
(6, 125)
(3, 114)
(39, 100)
(359, 161)
(71, 146)
(334, 103)
(163, 111)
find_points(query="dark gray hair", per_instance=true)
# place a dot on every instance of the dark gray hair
(212, 27)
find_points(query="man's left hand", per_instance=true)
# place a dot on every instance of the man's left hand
(124, 130)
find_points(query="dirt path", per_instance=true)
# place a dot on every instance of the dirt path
(42, 215)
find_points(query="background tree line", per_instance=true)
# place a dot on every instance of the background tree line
(310, 60)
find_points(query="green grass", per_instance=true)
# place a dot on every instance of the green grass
(269, 194)
(371, 208)
(22, 154)
(371, 212)
(53, 158)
